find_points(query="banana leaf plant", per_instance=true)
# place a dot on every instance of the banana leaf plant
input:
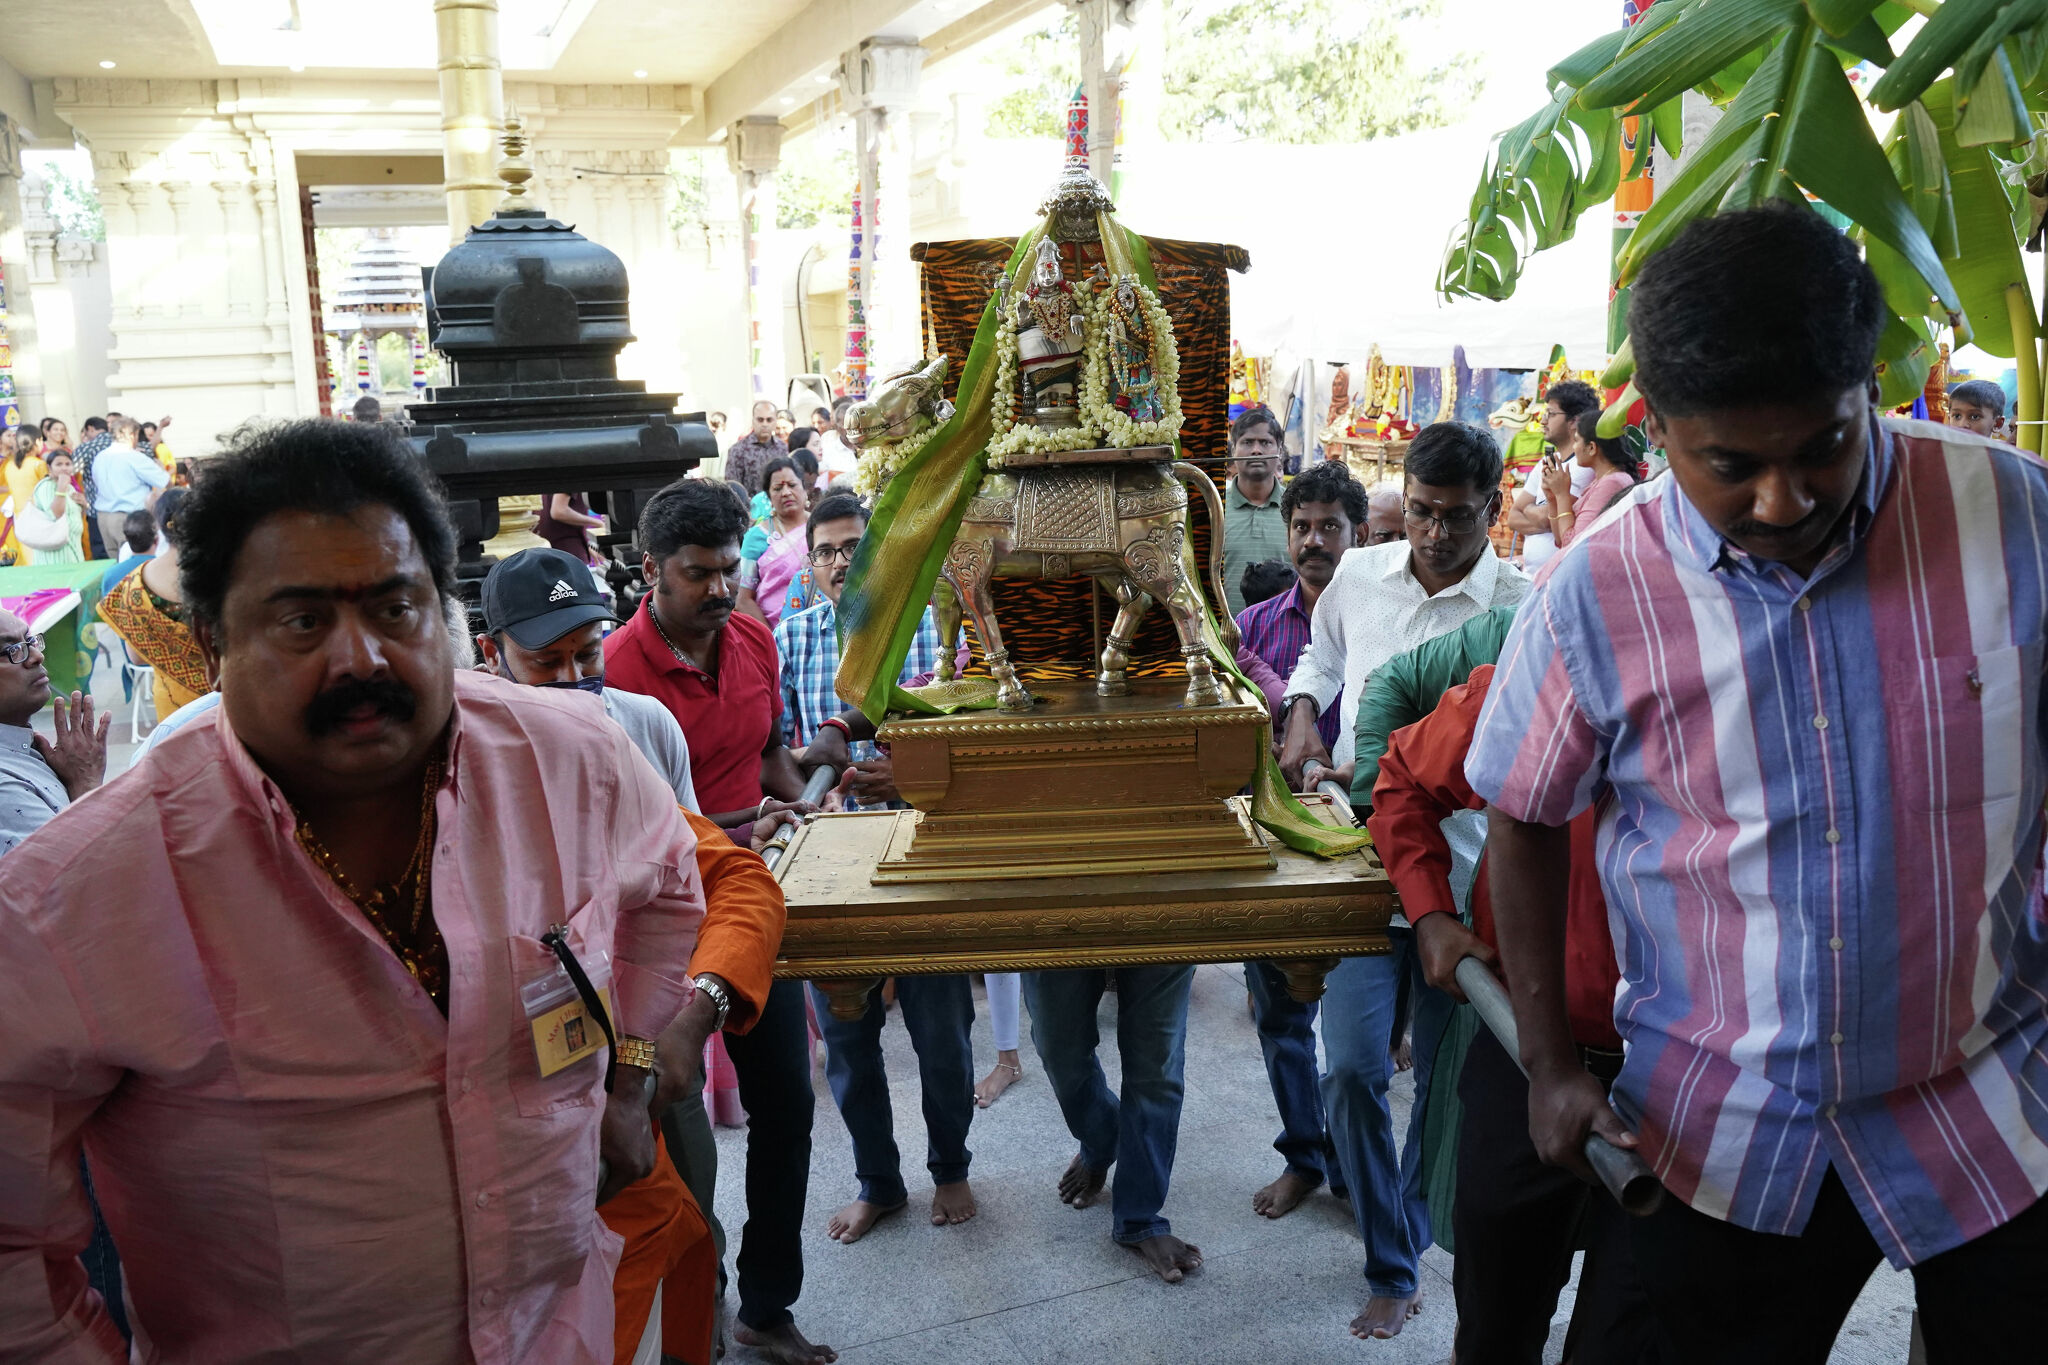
(1929, 167)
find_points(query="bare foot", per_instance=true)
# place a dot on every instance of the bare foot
(1079, 1185)
(1384, 1317)
(1278, 1199)
(1171, 1259)
(1403, 1056)
(851, 1223)
(952, 1203)
(784, 1345)
(1007, 1073)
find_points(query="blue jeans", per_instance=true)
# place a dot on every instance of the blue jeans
(1386, 1188)
(1137, 1132)
(1287, 1037)
(938, 1011)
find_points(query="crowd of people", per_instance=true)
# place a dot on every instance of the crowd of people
(386, 1037)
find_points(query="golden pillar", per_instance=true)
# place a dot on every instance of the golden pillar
(472, 109)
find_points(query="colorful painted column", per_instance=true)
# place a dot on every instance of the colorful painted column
(1632, 198)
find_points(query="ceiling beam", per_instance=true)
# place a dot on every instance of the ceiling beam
(971, 30)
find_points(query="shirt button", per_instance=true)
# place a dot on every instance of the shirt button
(1835, 1038)
(483, 1199)
(1835, 943)
(488, 1297)
(1804, 604)
(468, 1084)
(1834, 836)
(1820, 722)
(1830, 1111)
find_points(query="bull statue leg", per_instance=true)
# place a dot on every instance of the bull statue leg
(970, 565)
(946, 614)
(1155, 564)
(1112, 679)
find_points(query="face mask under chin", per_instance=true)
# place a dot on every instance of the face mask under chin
(593, 685)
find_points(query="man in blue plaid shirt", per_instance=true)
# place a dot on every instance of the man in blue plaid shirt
(937, 1010)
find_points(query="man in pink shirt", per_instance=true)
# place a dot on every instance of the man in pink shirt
(312, 1028)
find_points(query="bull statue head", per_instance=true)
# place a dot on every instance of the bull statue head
(898, 407)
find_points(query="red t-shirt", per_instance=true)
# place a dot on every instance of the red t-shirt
(726, 719)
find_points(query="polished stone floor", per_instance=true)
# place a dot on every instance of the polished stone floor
(1032, 1282)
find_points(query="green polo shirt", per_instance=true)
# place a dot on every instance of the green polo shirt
(1252, 534)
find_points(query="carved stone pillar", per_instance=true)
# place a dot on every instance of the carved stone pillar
(880, 83)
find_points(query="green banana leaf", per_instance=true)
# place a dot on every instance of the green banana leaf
(1701, 41)
(1839, 16)
(1994, 113)
(1905, 353)
(1949, 33)
(1987, 257)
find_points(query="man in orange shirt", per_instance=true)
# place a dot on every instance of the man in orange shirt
(544, 620)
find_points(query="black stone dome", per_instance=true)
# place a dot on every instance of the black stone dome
(526, 299)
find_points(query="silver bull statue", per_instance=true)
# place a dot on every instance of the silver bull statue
(1122, 524)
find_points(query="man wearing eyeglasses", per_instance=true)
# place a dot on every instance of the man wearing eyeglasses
(938, 1011)
(1385, 600)
(1254, 527)
(38, 776)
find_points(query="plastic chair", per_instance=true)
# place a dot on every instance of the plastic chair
(141, 677)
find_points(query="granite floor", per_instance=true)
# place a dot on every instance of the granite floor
(1032, 1282)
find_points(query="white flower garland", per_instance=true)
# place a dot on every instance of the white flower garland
(1097, 407)
(882, 463)
(1012, 437)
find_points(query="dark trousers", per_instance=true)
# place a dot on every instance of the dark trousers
(773, 1063)
(686, 1129)
(1724, 1293)
(938, 1013)
(1517, 1222)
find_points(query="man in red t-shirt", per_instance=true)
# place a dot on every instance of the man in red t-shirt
(716, 671)
(1514, 1217)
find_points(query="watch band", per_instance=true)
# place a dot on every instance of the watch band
(721, 998)
(638, 1052)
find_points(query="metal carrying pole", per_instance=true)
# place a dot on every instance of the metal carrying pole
(821, 782)
(1626, 1175)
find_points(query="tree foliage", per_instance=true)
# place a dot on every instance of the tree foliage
(1257, 70)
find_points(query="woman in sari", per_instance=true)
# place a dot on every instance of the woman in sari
(22, 467)
(57, 496)
(147, 611)
(776, 548)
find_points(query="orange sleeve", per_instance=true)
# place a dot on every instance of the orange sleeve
(743, 918)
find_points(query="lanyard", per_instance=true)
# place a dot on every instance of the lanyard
(557, 939)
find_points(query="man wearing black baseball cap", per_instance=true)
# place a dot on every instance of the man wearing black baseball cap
(544, 621)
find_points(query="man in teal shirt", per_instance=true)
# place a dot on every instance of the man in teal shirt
(1254, 527)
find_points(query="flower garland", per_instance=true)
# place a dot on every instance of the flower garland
(1097, 407)
(1012, 437)
(880, 464)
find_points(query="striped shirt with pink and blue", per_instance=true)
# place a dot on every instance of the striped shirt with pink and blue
(1821, 836)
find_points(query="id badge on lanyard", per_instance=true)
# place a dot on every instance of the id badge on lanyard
(569, 1018)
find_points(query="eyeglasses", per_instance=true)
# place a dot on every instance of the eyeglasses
(1462, 522)
(19, 650)
(823, 555)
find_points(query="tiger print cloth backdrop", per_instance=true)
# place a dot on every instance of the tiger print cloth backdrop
(1054, 629)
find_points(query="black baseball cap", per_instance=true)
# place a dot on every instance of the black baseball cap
(538, 596)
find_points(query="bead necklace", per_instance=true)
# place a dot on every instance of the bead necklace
(425, 956)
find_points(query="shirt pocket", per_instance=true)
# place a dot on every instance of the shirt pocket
(575, 1084)
(1957, 728)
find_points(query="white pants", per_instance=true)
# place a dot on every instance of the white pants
(1004, 990)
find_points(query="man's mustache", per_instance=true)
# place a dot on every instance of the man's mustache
(719, 604)
(1747, 529)
(388, 696)
(1306, 555)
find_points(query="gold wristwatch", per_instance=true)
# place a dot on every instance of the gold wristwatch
(638, 1052)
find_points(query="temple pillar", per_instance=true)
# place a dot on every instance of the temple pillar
(472, 109)
(753, 148)
(1122, 60)
(881, 79)
(21, 384)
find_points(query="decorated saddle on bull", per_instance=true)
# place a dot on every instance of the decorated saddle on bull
(1061, 818)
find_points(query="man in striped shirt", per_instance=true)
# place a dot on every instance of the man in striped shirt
(1800, 680)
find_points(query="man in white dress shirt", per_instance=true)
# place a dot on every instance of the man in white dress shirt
(1384, 600)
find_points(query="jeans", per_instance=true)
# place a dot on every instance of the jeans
(938, 1012)
(773, 1062)
(1386, 1189)
(1138, 1132)
(1287, 1037)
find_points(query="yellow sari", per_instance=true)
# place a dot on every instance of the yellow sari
(21, 486)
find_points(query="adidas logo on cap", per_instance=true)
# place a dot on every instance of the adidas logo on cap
(561, 590)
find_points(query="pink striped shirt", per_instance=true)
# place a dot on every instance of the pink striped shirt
(1821, 834)
(299, 1158)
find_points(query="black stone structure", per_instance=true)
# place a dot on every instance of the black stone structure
(531, 316)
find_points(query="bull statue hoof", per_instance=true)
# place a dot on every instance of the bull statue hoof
(1202, 688)
(1112, 687)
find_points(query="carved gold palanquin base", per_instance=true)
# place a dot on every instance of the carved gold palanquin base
(1081, 784)
(847, 931)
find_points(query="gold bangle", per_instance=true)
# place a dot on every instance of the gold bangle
(635, 1052)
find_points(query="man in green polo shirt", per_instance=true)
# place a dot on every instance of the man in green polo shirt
(1254, 528)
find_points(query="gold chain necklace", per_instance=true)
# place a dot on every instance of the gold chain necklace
(425, 958)
(681, 657)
